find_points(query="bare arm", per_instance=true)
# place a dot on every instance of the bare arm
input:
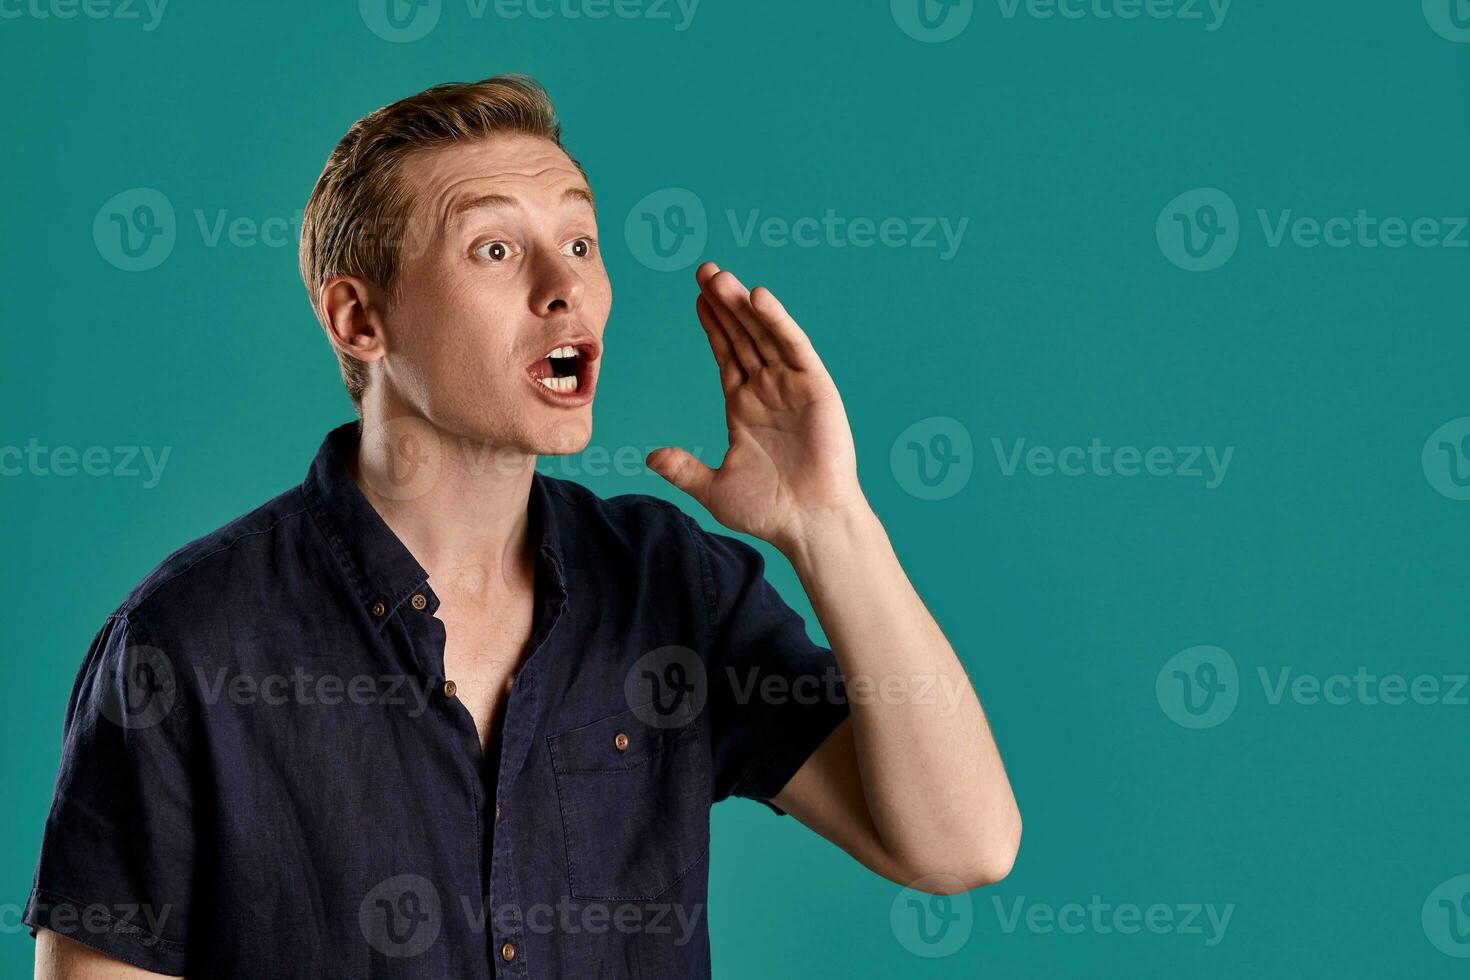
(912, 784)
(60, 958)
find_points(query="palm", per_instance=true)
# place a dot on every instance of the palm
(791, 451)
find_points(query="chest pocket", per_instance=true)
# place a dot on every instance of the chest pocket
(634, 805)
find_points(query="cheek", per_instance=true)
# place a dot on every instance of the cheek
(456, 327)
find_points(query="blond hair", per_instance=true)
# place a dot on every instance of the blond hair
(358, 212)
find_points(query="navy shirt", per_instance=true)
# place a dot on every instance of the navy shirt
(265, 772)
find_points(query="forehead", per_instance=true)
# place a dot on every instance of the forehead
(534, 172)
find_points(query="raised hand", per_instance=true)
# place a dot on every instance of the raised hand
(791, 465)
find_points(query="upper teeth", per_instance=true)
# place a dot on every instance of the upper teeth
(563, 352)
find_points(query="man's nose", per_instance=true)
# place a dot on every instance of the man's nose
(556, 286)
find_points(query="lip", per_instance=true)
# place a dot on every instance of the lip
(590, 352)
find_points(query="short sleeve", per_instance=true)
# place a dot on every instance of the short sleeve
(118, 848)
(774, 695)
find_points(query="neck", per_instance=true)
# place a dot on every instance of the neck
(460, 506)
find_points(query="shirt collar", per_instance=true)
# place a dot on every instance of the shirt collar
(383, 572)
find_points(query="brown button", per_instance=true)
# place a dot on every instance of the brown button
(507, 952)
(378, 609)
(418, 601)
(620, 742)
(497, 811)
(450, 689)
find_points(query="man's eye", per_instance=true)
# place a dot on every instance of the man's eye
(494, 251)
(580, 247)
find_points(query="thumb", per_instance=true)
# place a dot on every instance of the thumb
(683, 471)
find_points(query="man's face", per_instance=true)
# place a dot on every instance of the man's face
(508, 274)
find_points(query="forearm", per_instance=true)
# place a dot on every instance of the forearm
(932, 777)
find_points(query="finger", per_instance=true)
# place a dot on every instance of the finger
(683, 471)
(731, 374)
(792, 342)
(746, 356)
(709, 276)
(730, 291)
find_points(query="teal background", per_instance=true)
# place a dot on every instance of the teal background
(1324, 549)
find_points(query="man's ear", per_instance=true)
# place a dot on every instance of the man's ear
(354, 321)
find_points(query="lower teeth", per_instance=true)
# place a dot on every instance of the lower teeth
(565, 384)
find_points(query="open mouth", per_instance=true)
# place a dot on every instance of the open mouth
(565, 372)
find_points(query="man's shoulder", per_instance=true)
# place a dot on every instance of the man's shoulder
(191, 578)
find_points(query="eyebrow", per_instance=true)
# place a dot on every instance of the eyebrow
(459, 206)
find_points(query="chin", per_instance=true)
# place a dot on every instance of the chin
(564, 436)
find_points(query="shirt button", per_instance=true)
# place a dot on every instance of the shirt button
(620, 742)
(450, 689)
(378, 609)
(497, 811)
(419, 602)
(507, 952)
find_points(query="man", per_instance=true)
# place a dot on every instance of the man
(433, 714)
